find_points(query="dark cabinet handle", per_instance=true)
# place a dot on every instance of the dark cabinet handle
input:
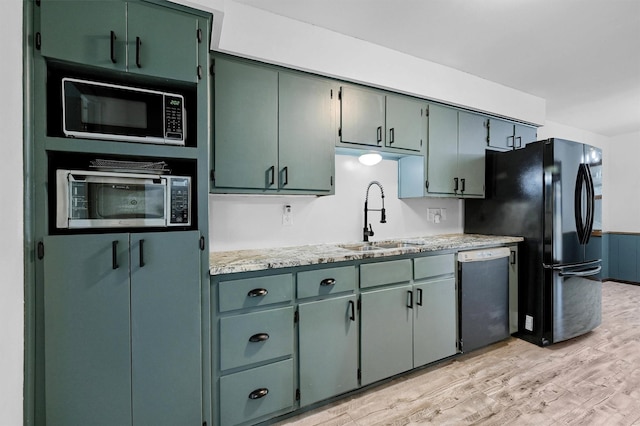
(410, 299)
(259, 337)
(419, 301)
(463, 181)
(259, 393)
(113, 47)
(513, 142)
(285, 172)
(142, 253)
(114, 255)
(138, 44)
(328, 282)
(379, 134)
(455, 184)
(271, 171)
(519, 138)
(392, 135)
(352, 310)
(257, 292)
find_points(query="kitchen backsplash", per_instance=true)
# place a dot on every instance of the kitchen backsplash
(256, 221)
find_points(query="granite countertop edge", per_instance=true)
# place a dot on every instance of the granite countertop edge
(229, 262)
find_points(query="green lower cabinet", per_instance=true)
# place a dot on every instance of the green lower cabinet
(257, 392)
(434, 321)
(328, 348)
(122, 329)
(386, 344)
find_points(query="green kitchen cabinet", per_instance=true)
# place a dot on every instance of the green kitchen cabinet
(122, 329)
(306, 131)
(124, 36)
(506, 135)
(246, 125)
(327, 333)
(274, 131)
(456, 153)
(411, 320)
(373, 118)
(386, 343)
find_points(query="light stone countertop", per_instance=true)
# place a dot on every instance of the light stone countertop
(228, 262)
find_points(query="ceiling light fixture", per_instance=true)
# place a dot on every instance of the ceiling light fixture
(370, 158)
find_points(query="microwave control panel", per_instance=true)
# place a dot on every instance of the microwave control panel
(180, 199)
(173, 117)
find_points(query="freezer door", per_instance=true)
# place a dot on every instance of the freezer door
(577, 300)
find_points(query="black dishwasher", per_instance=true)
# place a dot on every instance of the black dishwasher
(483, 277)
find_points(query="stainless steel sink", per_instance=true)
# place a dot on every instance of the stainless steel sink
(381, 245)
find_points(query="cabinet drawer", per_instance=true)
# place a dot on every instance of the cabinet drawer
(391, 272)
(326, 281)
(240, 393)
(251, 292)
(433, 266)
(255, 337)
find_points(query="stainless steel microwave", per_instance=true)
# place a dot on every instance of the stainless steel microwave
(98, 110)
(102, 199)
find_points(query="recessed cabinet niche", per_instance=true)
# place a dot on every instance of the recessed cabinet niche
(274, 131)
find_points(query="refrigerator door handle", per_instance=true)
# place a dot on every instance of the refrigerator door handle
(591, 195)
(581, 221)
(586, 273)
(562, 267)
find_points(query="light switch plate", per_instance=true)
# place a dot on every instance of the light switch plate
(287, 215)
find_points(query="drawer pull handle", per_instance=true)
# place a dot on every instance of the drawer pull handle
(259, 337)
(259, 393)
(257, 292)
(327, 282)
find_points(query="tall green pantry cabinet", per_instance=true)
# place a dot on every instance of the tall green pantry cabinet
(117, 318)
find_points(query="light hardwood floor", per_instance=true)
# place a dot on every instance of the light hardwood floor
(593, 379)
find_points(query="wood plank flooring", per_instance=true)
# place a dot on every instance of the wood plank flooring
(593, 379)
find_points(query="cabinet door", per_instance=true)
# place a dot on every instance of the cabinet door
(87, 343)
(472, 140)
(524, 135)
(406, 123)
(165, 328)
(434, 326)
(86, 32)
(328, 339)
(442, 150)
(501, 134)
(246, 126)
(162, 42)
(386, 344)
(306, 133)
(362, 116)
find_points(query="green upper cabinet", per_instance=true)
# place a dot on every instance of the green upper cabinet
(362, 116)
(306, 133)
(405, 123)
(273, 131)
(124, 36)
(505, 135)
(369, 117)
(472, 135)
(442, 154)
(246, 125)
(456, 153)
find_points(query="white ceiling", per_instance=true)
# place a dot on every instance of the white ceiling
(582, 56)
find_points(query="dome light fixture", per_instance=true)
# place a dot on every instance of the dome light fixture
(370, 158)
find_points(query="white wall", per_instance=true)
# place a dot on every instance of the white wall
(242, 222)
(11, 217)
(254, 33)
(621, 200)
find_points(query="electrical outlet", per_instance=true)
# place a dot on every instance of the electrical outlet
(287, 215)
(436, 215)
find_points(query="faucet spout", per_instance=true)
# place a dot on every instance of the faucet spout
(368, 231)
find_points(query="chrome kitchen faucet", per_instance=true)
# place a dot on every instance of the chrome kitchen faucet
(368, 232)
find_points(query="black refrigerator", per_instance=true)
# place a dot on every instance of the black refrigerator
(544, 192)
